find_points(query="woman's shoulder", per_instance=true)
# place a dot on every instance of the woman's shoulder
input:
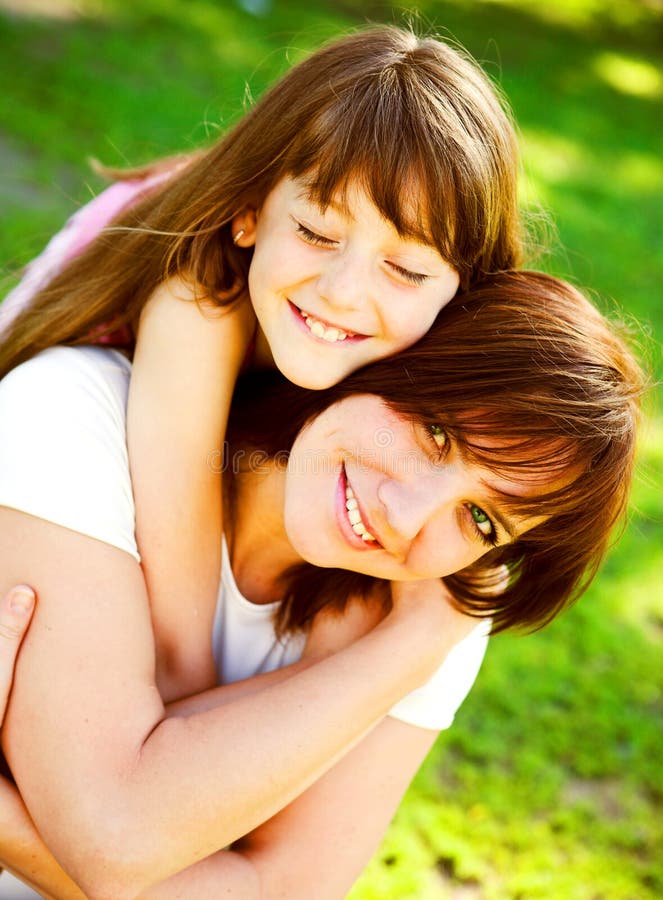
(69, 364)
(65, 378)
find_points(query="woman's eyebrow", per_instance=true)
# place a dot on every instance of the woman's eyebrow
(508, 525)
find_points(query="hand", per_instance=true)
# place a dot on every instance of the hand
(332, 631)
(21, 848)
(16, 610)
(429, 604)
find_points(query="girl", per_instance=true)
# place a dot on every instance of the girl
(342, 213)
(501, 445)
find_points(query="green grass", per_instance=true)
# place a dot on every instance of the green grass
(548, 784)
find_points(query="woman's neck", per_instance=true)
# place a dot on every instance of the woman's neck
(258, 546)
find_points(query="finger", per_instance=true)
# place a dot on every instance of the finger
(16, 609)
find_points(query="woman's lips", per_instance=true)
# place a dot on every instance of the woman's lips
(352, 520)
(324, 331)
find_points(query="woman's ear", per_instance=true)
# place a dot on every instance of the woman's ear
(243, 227)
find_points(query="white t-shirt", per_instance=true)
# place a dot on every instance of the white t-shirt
(63, 458)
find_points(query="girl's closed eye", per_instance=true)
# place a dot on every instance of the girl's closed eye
(312, 237)
(319, 240)
(417, 278)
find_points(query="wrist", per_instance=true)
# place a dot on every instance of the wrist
(424, 617)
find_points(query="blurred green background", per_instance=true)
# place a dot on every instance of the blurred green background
(549, 783)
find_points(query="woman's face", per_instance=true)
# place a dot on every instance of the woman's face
(334, 289)
(371, 491)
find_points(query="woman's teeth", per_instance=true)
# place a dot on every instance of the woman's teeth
(320, 330)
(355, 517)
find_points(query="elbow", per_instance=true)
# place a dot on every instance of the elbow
(110, 878)
(111, 862)
(107, 889)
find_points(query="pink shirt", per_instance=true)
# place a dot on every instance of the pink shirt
(79, 231)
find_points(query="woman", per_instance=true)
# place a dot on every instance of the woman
(501, 445)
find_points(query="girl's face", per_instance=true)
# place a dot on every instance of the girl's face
(373, 492)
(338, 288)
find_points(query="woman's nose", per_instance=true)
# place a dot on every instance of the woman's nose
(410, 504)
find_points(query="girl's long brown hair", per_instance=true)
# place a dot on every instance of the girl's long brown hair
(413, 120)
(528, 379)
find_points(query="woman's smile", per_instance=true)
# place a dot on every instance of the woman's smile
(353, 522)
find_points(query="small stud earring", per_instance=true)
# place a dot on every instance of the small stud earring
(238, 236)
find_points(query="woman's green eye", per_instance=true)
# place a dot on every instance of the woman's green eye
(481, 519)
(439, 436)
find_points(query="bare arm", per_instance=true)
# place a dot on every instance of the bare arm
(322, 840)
(123, 796)
(186, 363)
(320, 843)
(329, 633)
(22, 850)
(24, 853)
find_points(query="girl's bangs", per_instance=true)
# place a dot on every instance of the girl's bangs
(336, 157)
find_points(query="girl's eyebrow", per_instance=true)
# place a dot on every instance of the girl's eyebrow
(307, 196)
(412, 235)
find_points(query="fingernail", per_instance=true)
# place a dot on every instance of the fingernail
(21, 599)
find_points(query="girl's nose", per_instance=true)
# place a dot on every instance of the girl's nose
(343, 283)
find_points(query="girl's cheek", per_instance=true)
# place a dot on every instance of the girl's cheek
(413, 322)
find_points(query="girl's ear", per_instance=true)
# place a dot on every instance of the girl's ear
(243, 227)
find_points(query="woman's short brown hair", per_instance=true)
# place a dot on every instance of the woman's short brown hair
(530, 380)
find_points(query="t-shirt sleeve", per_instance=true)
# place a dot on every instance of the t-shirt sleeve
(434, 704)
(63, 453)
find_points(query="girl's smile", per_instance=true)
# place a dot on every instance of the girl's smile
(324, 331)
(337, 288)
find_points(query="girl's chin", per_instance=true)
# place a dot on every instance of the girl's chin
(311, 377)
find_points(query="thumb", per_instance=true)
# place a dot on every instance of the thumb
(16, 609)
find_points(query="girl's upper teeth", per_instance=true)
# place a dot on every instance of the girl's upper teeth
(326, 332)
(355, 517)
